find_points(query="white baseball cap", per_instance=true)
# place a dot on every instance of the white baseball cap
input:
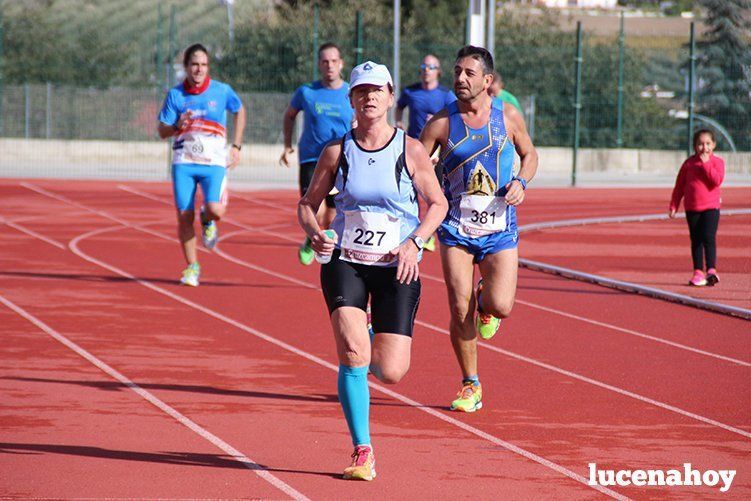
(370, 73)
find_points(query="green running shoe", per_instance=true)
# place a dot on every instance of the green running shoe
(469, 398)
(430, 244)
(306, 253)
(191, 274)
(487, 325)
(210, 232)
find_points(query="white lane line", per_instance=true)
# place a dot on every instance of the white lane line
(159, 404)
(526, 303)
(266, 337)
(477, 432)
(638, 218)
(32, 233)
(600, 384)
(522, 358)
(543, 365)
(619, 329)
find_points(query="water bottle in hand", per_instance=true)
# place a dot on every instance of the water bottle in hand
(325, 258)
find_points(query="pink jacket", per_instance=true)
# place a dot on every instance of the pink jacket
(698, 183)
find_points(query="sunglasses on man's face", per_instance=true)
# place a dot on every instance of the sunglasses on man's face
(429, 66)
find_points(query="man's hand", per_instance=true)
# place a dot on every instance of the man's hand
(515, 193)
(185, 117)
(284, 159)
(234, 157)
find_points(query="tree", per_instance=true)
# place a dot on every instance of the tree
(724, 67)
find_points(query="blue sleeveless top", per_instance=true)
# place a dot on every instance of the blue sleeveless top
(477, 162)
(376, 181)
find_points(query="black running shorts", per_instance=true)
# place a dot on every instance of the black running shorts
(306, 176)
(393, 305)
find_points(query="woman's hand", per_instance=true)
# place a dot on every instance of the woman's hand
(322, 244)
(408, 270)
(671, 214)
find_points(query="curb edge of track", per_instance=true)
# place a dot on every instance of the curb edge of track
(628, 286)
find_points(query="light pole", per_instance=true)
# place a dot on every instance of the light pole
(230, 21)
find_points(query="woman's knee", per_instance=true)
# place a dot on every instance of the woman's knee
(390, 373)
(353, 356)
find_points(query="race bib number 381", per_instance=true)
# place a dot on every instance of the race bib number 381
(369, 237)
(481, 215)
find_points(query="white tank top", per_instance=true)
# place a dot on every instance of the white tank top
(376, 207)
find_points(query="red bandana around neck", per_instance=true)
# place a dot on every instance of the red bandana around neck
(196, 89)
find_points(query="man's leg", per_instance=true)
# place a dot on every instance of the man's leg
(499, 275)
(458, 271)
(214, 186)
(187, 235)
(184, 179)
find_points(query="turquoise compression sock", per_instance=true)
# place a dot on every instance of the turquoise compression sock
(354, 395)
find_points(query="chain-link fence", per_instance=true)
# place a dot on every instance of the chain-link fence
(634, 95)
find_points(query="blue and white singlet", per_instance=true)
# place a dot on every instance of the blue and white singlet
(376, 207)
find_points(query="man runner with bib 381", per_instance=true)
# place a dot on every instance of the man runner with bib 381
(477, 144)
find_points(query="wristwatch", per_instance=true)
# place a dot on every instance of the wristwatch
(419, 242)
(522, 181)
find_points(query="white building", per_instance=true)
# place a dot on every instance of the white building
(586, 4)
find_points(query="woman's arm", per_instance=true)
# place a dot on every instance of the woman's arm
(321, 184)
(423, 178)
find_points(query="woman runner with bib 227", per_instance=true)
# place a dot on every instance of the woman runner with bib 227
(379, 172)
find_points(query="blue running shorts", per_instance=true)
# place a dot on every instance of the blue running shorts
(481, 246)
(185, 178)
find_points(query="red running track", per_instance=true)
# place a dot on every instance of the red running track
(228, 390)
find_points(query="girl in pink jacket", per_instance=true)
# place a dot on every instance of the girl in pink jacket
(698, 184)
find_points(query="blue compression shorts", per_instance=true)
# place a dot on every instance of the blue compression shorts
(481, 246)
(185, 178)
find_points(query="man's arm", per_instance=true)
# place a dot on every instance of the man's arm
(398, 117)
(435, 132)
(169, 130)
(288, 124)
(239, 129)
(517, 129)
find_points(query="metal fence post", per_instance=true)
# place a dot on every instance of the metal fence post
(397, 50)
(48, 128)
(315, 42)
(27, 110)
(158, 54)
(577, 99)
(621, 43)
(358, 38)
(692, 62)
(2, 88)
(172, 46)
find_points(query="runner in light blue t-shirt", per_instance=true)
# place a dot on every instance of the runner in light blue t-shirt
(195, 115)
(327, 115)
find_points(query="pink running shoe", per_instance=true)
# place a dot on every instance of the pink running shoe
(698, 280)
(363, 464)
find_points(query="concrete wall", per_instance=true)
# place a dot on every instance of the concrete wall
(259, 162)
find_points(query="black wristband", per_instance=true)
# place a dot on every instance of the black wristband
(239, 147)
